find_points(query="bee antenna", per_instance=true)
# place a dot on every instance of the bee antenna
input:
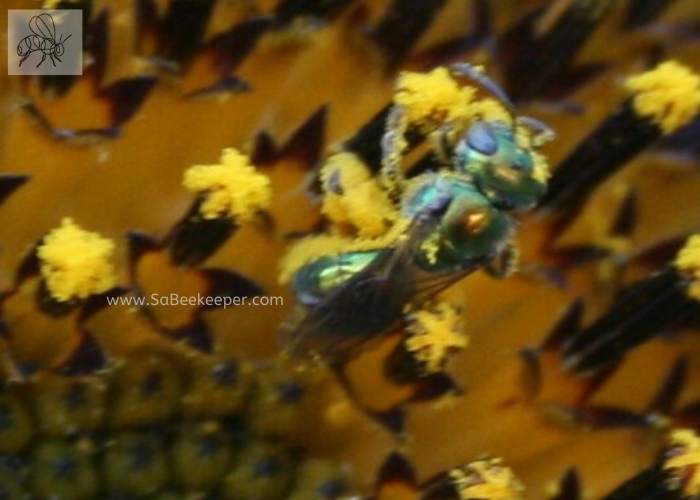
(543, 132)
(479, 77)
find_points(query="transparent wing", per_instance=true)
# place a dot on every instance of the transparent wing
(43, 26)
(373, 301)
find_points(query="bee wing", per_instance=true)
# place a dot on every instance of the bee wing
(428, 285)
(43, 26)
(364, 307)
(342, 322)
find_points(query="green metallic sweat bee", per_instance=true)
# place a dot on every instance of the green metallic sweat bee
(460, 220)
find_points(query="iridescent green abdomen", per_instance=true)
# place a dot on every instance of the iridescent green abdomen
(314, 281)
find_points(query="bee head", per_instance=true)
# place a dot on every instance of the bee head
(502, 170)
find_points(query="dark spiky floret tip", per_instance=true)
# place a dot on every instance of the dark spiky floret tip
(366, 142)
(544, 44)
(181, 31)
(288, 11)
(194, 238)
(402, 26)
(569, 487)
(662, 100)
(644, 310)
(9, 183)
(642, 12)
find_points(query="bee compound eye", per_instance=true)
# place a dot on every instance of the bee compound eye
(481, 138)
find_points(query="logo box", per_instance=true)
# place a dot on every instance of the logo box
(45, 42)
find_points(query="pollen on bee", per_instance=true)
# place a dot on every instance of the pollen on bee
(688, 262)
(352, 196)
(324, 245)
(435, 332)
(486, 479)
(683, 462)
(489, 110)
(75, 263)
(233, 188)
(668, 94)
(432, 97)
(541, 171)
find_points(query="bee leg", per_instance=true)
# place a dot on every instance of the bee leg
(42, 60)
(393, 144)
(59, 59)
(52, 60)
(24, 58)
(506, 262)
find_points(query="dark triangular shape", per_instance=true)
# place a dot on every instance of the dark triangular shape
(194, 239)
(88, 357)
(196, 334)
(96, 303)
(265, 151)
(435, 386)
(667, 395)
(396, 469)
(566, 327)
(569, 486)
(9, 183)
(127, 96)
(626, 219)
(306, 143)
(233, 46)
(223, 86)
(393, 419)
(229, 284)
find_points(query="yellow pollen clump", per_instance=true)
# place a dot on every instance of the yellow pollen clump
(683, 462)
(669, 94)
(489, 109)
(359, 201)
(430, 248)
(76, 263)
(233, 188)
(432, 97)
(486, 479)
(688, 262)
(541, 172)
(434, 333)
